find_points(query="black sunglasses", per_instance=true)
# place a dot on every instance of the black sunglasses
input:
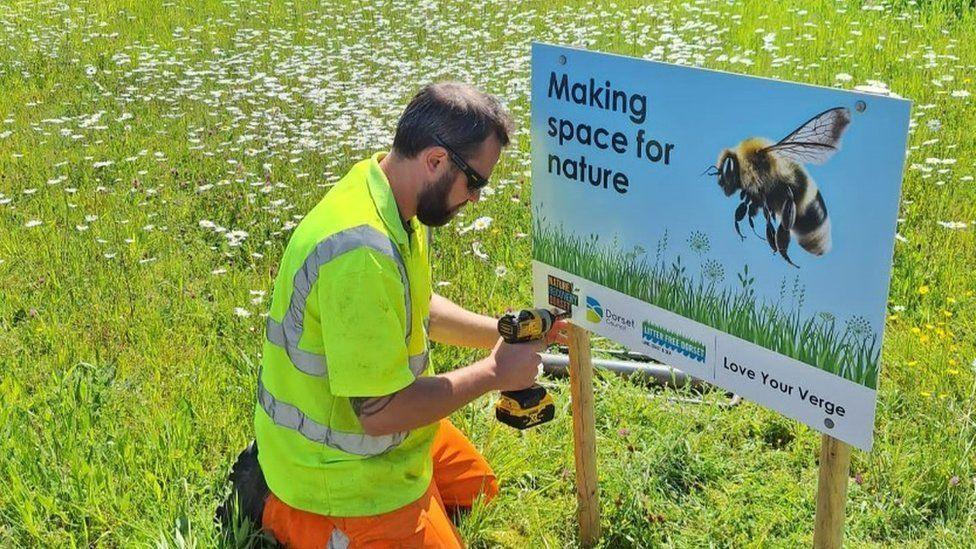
(475, 180)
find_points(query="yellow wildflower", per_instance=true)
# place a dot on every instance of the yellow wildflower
(923, 289)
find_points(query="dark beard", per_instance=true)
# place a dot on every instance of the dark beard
(432, 207)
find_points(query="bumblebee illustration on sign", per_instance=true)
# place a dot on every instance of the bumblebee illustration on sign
(771, 177)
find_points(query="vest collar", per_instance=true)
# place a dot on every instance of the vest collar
(386, 206)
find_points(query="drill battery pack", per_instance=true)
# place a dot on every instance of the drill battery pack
(526, 408)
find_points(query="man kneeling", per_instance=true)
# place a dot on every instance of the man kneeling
(350, 420)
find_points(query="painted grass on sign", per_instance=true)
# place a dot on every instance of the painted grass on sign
(851, 352)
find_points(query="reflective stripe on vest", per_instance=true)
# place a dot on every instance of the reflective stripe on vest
(311, 363)
(288, 416)
(288, 332)
(315, 364)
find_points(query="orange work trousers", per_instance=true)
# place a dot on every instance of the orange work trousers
(461, 474)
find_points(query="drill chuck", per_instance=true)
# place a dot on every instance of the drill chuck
(526, 325)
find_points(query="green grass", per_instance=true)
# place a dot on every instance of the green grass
(127, 373)
(851, 352)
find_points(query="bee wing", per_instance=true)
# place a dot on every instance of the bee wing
(816, 140)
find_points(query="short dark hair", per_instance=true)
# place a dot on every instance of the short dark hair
(462, 115)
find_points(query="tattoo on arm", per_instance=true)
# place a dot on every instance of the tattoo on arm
(367, 406)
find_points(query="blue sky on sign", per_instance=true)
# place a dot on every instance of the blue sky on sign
(701, 112)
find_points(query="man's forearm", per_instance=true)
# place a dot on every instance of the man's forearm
(427, 400)
(453, 325)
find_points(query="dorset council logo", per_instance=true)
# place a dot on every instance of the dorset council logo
(594, 311)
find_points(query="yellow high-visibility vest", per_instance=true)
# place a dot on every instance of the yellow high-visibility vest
(349, 318)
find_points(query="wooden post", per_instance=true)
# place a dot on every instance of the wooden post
(584, 435)
(835, 466)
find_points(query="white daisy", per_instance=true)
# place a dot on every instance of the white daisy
(481, 223)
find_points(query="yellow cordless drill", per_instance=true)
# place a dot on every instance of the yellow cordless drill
(532, 406)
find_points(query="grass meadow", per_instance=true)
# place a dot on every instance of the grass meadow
(154, 157)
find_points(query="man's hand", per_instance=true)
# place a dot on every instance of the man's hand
(509, 367)
(516, 365)
(558, 334)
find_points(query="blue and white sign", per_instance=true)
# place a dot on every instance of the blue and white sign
(738, 228)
